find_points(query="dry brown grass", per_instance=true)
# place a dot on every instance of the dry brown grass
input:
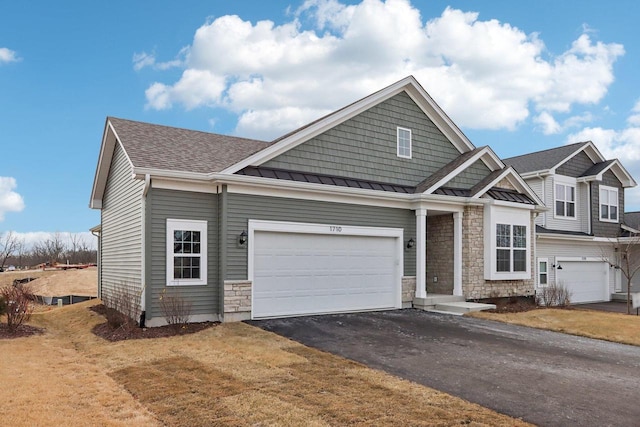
(57, 282)
(615, 327)
(7, 277)
(233, 374)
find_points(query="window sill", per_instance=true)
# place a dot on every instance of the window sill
(508, 276)
(610, 221)
(187, 283)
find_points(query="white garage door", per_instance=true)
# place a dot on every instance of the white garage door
(587, 281)
(299, 273)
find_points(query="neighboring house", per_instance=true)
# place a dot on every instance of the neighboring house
(578, 234)
(631, 230)
(371, 207)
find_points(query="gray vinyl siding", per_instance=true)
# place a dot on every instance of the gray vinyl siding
(536, 184)
(365, 146)
(470, 176)
(162, 205)
(121, 235)
(575, 166)
(242, 207)
(561, 223)
(606, 229)
(546, 248)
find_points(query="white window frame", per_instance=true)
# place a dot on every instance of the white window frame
(498, 214)
(565, 183)
(609, 191)
(403, 148)
(188, 225)
(540, 273)
(511, 248)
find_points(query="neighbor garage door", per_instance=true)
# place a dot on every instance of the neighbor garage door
(587, 281)
(298, 273)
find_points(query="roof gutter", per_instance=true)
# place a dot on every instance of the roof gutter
(217, 178)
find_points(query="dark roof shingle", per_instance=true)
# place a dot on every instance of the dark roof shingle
(168, 148)
(541, 160)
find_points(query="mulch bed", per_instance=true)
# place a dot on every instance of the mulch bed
(511, 305)
(131, 331)
(21, 331)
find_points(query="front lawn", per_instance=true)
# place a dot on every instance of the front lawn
(615, 327)
(231, 374)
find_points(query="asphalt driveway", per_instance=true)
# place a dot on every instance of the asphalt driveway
(546, 378)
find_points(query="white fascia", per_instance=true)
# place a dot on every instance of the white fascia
(589, 149)
(517, 181)
(107, 149)
(471, 160)
(409, 84)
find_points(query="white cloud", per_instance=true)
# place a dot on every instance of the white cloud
(623, 144)
(634, 119)
(144, 59)
(10, 201)
(550, 126)
(8, 55)
(485, 74)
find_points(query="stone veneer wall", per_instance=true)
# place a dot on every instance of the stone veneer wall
(237, 300)
(408, 291)
(440, 254)
(473, 284)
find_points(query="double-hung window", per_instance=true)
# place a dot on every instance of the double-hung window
(186, 252)
(543, 271)
(511, 248)
(404, 143)
(608, 204)
(565, 200)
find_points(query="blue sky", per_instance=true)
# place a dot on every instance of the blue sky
(518, 76)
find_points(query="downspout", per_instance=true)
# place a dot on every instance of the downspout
(98, 260)
(143, 273)
(544, 199)
(589, 209)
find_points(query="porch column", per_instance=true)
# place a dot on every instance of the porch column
(457, 253)
(421, 253)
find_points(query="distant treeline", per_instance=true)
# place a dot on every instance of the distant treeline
(58, 248)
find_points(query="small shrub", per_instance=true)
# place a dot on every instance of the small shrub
(3, 305)
(554, 295)
(18, 305)
(175, 309)
(122, 304)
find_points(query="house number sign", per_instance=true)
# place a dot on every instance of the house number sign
(335, 229)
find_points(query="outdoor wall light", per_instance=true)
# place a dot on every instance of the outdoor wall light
(411, 243)
(557, 266)
(242, 238)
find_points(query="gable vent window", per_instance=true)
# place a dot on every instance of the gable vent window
(608, 204)
(565, 200)
(404, 143)
(186, 252)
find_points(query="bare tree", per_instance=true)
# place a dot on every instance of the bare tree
(9, 244)
(626, 259)
(54, 247)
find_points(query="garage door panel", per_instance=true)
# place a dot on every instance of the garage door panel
(297, 273)
(586, 280)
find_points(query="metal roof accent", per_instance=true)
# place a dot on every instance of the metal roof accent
(323, 179)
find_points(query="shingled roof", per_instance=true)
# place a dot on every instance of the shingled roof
(542, 160)
(168, 148)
